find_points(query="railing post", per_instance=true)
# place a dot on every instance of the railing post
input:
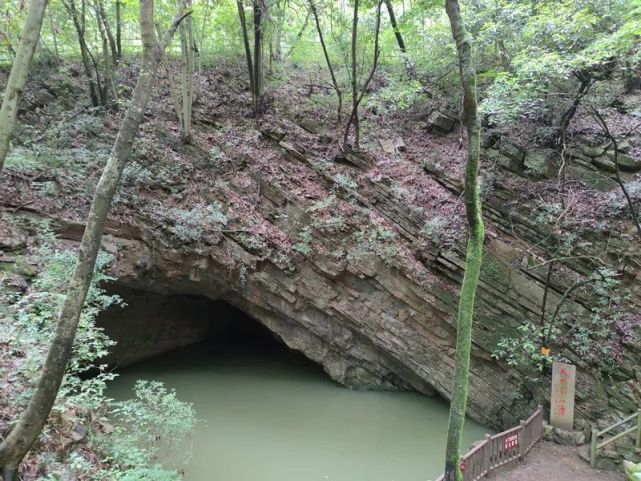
(487, 454)
(522, 441)
(638, 428)
(539, 428)
(593, 440)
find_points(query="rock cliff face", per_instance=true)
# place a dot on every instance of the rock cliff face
(374, 325)
(346, 264)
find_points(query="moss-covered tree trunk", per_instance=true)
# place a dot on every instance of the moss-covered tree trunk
(32, 420)
(474, 244)
(18, 75)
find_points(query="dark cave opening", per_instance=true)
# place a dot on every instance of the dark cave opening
(149, 324)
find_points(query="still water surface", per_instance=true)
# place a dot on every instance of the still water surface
(270, 415)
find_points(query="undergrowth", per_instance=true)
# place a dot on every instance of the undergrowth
(88, 436)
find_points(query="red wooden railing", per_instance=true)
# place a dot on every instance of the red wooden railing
(502, 448)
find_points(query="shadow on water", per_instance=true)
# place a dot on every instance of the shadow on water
(269, 414)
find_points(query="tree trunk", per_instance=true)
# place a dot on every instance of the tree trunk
(258, 56)
(474, 244)
(79, 24)
(106, 56)
(54, 36)
(173, 86)
(392, 19)
(354, 117)
(105, 23)
(18, 76)
(248, 52)
(118, 29)
(339, 93)
(356, 101)
(201, 38)
(187, 80)
(32, 420)
(615, 145)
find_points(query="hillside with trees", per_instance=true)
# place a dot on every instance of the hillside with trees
(431, 196)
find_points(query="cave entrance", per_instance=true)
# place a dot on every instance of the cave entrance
(151, 324)
(269, 413)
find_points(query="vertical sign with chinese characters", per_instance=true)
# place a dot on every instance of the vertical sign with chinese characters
(562, 408)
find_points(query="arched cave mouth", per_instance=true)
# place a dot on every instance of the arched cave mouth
(150, 324)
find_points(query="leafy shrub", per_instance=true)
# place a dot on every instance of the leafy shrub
(346, 183)
(156, 421)
(395, 97)
(528, 349)
(191, 225)
(375, 240)
(304, 239)
(31, 327)
(149, 426)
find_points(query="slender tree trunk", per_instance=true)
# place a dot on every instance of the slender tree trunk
(173, 86)
(79, 24)
(118, 29)
(474, 244)
(201, 39)
(107, 27)
(32, 420)
(353, 117)
(187, 81)
(248, 52)
(298, 36)
(278, 38)
(106, 57)
(615, 145)
(354, 120)
(18, 76)
(258, 56)
(54, 36)
(339, 93)
(585, 82)
(392, 19)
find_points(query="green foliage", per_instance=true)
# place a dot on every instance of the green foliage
(32, 324)
(376, 240)
(147, 428)
(304, 239)
(597, 337)
(526, 350)
(191, 225)
(345, 183)
(398, 95)
(538, 51)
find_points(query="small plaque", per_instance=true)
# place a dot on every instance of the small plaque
(510, 442)
(562, 405)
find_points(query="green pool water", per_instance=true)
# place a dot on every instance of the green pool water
(268, 414)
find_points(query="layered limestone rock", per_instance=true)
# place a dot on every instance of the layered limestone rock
(374, 325)
(361, 291)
